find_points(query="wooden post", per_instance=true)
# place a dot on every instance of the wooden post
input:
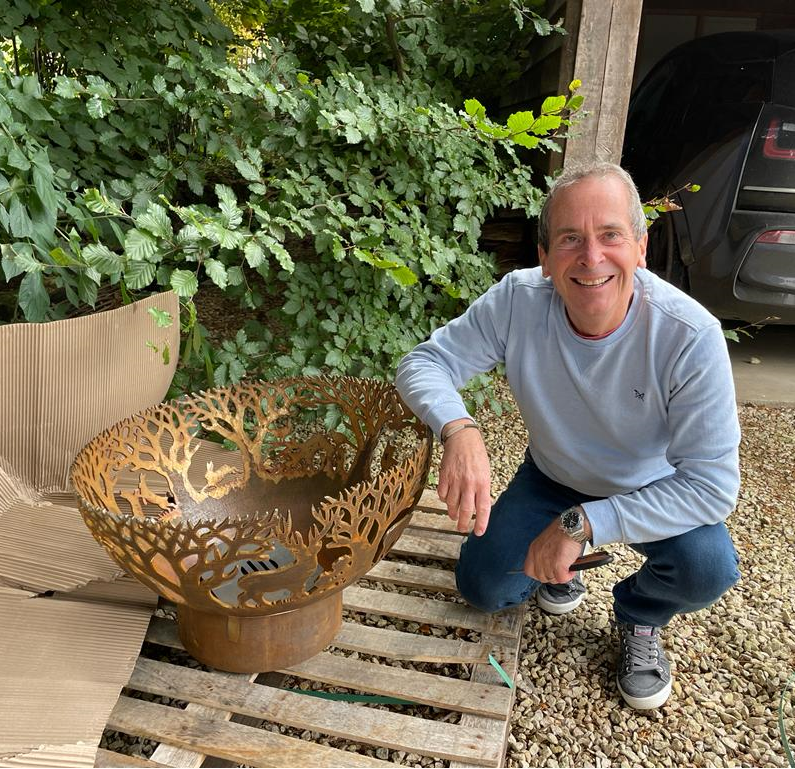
(607, 40)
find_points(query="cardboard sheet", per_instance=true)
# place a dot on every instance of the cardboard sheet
(71, 629)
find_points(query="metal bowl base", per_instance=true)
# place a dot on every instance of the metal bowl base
(260, 644)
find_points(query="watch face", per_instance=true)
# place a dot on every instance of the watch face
(571, 519)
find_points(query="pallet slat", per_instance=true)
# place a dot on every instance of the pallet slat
(409, 575)
(413, 544)
(113, 760)
(397, 645)
(236, 742)
(423, 688)
(380, 728)
(381, 642)
(427, 610)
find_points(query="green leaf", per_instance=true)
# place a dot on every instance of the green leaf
(162, 318)
(404, 276)
(368, 6)
(216, 271)
(159, 84)
(546, 123)
(525, 140)
(18, 258)
(138, 274)
(228, 205)
(67, 87)
(247, 170)
(155, 221)
(19, 220)
(33, 298)
(139, 245)
(732, 335)
(334, 358)
(553, 104)
(96, 107)
(280, 252)
(520, 121)
(254, 254)
(101, 258)
(475, 109)
(184, 283)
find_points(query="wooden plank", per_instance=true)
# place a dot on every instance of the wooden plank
(423, 688)
(506, 652)
(433, 522)
(409, 575)
(619, 70)
(236, 742)
(427, 610)
(397, 645)
(171, 755)
(430, 502)
(417, 545)
(113, 760)
(381, 728)
(589, 66)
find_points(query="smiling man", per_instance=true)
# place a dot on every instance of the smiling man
(626, 390)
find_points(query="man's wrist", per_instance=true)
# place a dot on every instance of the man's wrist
(455, 426)
(575, 524)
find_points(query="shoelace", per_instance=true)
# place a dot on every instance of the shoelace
(565, 589)
(640, 652)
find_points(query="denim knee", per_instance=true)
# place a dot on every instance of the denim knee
(701, 566)
(489, 594)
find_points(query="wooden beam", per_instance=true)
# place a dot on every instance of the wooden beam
(606, 47)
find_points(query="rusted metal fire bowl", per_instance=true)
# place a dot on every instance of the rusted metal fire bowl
(255, 542)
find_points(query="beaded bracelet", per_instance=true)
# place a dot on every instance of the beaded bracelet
(456, 429)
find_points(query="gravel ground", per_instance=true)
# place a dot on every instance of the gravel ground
(730, 662)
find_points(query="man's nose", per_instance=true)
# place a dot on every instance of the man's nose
(591, 253)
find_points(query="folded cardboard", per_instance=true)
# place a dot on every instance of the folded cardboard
(71, 627)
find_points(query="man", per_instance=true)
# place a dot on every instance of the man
(626, 390)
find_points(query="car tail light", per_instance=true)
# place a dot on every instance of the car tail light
(779, 140)
(783, 237)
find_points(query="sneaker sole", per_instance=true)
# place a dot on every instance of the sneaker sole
(559, 608)
(647, 703)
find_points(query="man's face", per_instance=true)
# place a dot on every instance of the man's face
(593, 254)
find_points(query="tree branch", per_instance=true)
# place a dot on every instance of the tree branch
(391, 36)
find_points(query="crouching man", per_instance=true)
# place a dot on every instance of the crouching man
(625, 387)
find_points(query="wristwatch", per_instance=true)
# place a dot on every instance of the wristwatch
(572, 522)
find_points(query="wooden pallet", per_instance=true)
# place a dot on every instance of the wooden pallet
(223, 708)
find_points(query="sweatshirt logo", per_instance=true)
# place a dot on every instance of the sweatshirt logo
(639, 395)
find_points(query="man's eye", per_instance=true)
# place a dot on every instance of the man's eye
(612, 235)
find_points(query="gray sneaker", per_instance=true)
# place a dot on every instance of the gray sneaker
(562, 598)
(644, 673)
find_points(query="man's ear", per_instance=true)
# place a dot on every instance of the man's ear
(542, 260)
(642, 244)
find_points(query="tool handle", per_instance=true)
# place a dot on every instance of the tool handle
(592, 560)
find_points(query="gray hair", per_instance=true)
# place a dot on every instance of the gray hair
(600, 170)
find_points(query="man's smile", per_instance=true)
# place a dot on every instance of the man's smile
(592, 281)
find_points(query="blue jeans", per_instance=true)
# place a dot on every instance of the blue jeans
(681, 574)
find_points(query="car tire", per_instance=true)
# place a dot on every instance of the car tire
(663, 256)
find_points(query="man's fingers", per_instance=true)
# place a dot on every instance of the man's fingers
(482, 513)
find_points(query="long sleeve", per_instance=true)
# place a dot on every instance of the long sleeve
(703, 450)
(429, 377)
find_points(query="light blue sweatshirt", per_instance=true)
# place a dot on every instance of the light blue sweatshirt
(645, 418)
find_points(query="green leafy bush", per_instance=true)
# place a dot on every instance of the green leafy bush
(137, 152)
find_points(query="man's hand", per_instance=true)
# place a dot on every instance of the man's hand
(465, 479)
(551, 553)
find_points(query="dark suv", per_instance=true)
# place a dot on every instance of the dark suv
(719, 111)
